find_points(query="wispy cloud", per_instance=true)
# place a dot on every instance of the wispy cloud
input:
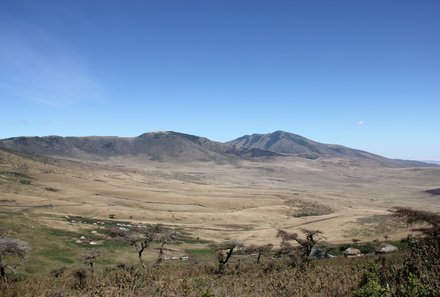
(36, 66)
(360, 123)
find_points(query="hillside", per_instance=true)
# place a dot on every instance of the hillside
(173, 146)
(291, 144)
(158, 146)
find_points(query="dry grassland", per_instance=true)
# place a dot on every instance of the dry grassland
(249, 200)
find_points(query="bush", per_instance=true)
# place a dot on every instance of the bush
(370, 285)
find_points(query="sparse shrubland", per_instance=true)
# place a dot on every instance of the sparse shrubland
(287, 270)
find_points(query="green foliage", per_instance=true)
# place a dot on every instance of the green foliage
(419, 276)
(366, 248)
(414, 287)
(370, 285)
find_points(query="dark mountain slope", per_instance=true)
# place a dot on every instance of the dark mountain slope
(160, 146)
(174, 146)
(295, 145)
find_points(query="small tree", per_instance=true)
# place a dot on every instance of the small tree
(224, 252)
(141, 238)
(11, 247)
(163, 237)
(90, 258)
(258, 249)
(312, 238)
(306, 245)
(429, 220)
(140, 241)
(138, 238)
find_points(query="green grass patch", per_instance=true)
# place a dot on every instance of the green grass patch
(17, 177)
(113, 245)
(59, 254)
(201, 251)
(53, 247)
(367, 247)
(61, 233)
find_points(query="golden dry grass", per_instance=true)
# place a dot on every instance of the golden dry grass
(249, 200)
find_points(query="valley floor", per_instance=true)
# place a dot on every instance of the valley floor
(246, 200)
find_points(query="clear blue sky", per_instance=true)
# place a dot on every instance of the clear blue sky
(360, 73)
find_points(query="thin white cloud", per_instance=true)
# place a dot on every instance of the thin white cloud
(360, 123)
(36, 66)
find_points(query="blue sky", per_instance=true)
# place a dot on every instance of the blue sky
(364, 74)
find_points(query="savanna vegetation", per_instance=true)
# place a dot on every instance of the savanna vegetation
(40, 261)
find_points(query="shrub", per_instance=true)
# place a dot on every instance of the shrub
(370, 285)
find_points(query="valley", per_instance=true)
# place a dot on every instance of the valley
(247, 199)
(72, 198)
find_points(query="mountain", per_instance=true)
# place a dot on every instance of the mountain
(286, 143)
(159, 146)
(173, 146)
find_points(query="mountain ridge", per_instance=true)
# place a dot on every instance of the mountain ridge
(169, 145)
(282, 142)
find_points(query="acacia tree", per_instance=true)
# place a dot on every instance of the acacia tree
(142, 238)
(11, 247)
(90, 258)
(224, 252)
(138, 238)
(312, 237)
(140, 241)
(162, 238)
(259, 250)
(429, 220)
